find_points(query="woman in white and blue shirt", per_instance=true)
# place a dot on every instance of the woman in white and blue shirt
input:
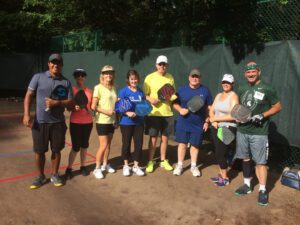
(132, 125)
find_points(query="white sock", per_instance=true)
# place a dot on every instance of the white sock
(193, 164)
(247, 181)
(180, 163)
(262, 187)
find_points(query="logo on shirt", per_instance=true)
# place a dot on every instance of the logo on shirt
(135, 100)
(249, 100)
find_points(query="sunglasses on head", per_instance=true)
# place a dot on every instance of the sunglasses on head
(162, 64)
(195, 76)
(226, 82)
(108, 72)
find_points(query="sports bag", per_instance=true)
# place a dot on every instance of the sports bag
(291, 177)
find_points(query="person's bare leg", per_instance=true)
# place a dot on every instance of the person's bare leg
(163, 147)
(55, 161)
(40, 162)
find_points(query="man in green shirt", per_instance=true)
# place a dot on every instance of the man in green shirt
(252, 137)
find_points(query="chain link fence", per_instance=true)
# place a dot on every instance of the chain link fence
(279, 19)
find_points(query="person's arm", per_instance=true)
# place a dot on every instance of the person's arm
(211, 114)
(97, 108)
(50, 103)
(27, 105)
(206, 120)
(276, 108)
(180, 110)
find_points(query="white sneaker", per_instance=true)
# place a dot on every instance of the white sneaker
(195, 171)
(126, 171)
(98, 173)
(107, 168)
(138, 171)
(178, 170)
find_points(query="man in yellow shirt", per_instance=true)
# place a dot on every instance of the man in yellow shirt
(159, 121)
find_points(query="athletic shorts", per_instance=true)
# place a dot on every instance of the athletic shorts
(45, 133)
(159, 125)
(104, 129)
(80, 135)
(254, 147)
(194, 138)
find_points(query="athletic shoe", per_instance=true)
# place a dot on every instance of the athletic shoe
(215, 179)
(178, 170)
(165, 164)
(262, 198)
(195, 171)
(150, 166)
(138, 171)
(126, 171)
(107, 168)
(222, 182)
(38, 182)
(243, 190)
(56, 180)
(84, 171)
(68, 174)
(98, 173)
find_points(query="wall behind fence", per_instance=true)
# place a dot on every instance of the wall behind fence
(279, 62)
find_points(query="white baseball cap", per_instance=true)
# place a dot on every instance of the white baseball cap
(161, 59)
(228, 77)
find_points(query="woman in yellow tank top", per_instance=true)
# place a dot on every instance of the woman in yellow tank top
(103, 103)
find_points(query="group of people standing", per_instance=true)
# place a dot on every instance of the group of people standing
(49, 125)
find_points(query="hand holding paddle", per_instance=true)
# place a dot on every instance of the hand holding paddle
(241, 113)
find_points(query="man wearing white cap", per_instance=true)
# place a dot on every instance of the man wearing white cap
(159, 121)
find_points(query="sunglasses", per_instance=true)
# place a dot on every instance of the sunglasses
(226, 82)
(79, 75)
(162, 64)
(108, 72)
(195, 76)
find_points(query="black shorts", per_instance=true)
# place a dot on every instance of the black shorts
(159, 125)
(80, 135)
(105, 129)
(43, 133)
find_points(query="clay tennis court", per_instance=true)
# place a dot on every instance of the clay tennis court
(159, 198)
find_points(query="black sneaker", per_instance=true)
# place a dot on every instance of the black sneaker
(56, 180)
(262, 198)
(38, 182)
(84, 171)
(243, 190)
(68, 173)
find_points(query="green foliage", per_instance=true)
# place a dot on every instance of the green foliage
(28, 25)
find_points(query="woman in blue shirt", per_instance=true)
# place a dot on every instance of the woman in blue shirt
(132, 125)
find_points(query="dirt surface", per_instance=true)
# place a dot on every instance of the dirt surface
(157, 198)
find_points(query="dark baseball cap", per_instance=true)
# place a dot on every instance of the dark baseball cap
(57, 57)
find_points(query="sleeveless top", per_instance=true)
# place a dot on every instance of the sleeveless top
(223, 108)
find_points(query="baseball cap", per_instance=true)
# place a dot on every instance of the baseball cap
(55, 56)
(228, 77)
(107, 68)
(161, 59)
(79, 70)
(194, 72)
